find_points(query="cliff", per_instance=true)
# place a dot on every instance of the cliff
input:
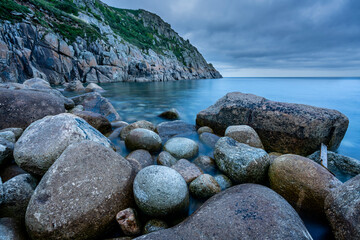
(63, 41)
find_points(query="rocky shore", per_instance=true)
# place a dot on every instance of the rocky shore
(62, 177)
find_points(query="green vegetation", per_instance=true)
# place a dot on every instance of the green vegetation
(8, 6)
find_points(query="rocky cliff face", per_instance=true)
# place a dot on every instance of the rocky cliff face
(63, 41)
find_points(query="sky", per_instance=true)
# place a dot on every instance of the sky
(266, 38)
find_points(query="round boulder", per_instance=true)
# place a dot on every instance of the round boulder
(139, 124)
(204, 129)
(181, 147)
(166, 159)
(244, 134)
(204, 186)
(171, 114)
(141, 138)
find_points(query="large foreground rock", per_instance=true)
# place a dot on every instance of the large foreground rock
(342, 208)
(282, 127)
(44, 140)
(81, 193)
(19, 108)
(246, 211)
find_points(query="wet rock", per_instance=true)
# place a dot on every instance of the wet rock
(9, 171)
(17, 131)
(209, 139)
(204, 186)
(141, 138)
(6, 151)
(240, 162)
(96, 120)
(246, 211)
(8, 135)
(79, 196)
(94, 102)
(139, 159)
(244, 134)
(128, 222)
(181, 147)
(12, 229)
(22, 107)
(204, 129)
(37, 83)
(167, 130)
(118, 124)
(139, 124)
(44, 140)
(188, 170)
(154, 225)
(342, 208)
(223, 181)
(302, 182)
(282, 127)
(206, 163)
(17, 194)
(93, 87)
(160, 191)
(75, 86)
(171, 114)
(166, 159)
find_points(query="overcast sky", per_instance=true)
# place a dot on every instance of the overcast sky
(266, 37)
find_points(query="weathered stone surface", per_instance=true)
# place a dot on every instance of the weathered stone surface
(93, 87)
(171, 114)
(19, 108)
(17, 194)
(282, 127)
(128, 222)
(209, 139)
(188, 170)
(244, 134)
(17, 131)
(44, 140)
(342, 208)
(204, 129)
(302, 182)
(240, 162)
(223, 181)
(96, 120)
(80, 194)
(166, 159)
(12, 229)
(206, 163)
(141, 138)
(140, 159)
(6, 151)
(8, 135)
(75, 86)
(204, 186)
(139, 124)
(160, 191)
(167, 130)
(154, 225)
(181, 147)
(37, 83)
(94, 102)
(246, 211)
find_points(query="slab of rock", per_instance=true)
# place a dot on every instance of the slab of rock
(244, 134)
(93, 87)
(19, 108)
(209, 139)
(80, 195)
(12, 229)
(6, 150)
(240, 162)
(96, 120)
(139, 124)
(188, 170)
(140, 159)
(302, 182)
(128, 222)
(160, 191)
(246, 211)
(141, 138)
(171, 114)
(204, 186)
(342, 208)
(166, 159)
(181, 147)
(167, 130)
(282, 127)
(154, 225)
(44, 140)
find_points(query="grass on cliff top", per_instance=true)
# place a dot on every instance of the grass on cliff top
(8, 6)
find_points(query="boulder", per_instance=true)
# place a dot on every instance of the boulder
(141, 138)
(154, 225)
(171, 114)
(240, 162)
(12, 229)
(19, 108)
(118, 124)
(6, 151)
(282, 127)
(37, 83)
(17, 131)
(181, 147)
(246, 211)
(139, 124)
(302, 182)
(167, 130)
(209, 139)
(94, 102)
(140, 159)
(223, 181)
(44, 141)
(128, 222)
(342, 208)
(160, 191)
(204, 186)
(96, 120)
(81, 193)
(206, 163)
(8, 135)
(166, 159)
(188, 170)
(93, 87)
(204, 129)
(75, 86)
(244, 134)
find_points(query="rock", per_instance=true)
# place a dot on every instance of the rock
(246, 211)
(140, 159)
(17, 194)
(75, 86)
(6, 150)
(339, 163)
(166, 159)
(240, 162)
(273, 156)
(188, 170)
(181, 147)
(19, 108)
(93, 87)
(282, 127)
(37, 83)
(167, 130)
(115, 134)
(12, 229)
(44, 141)
(204, 186)
(302, 182)
(154, 225)
(244, 134)
(223, 181)
(209, 139)
(80, 194)
(9, 171)
(139, 124)
(17, 131)
(204, 129)
(171, 114)
(118, 124)
(128, 222)
(342, 208)
(160, 191)
(96, 120)
(77, 108)
(8, 135)
(206, 163)
(141, 138)
(94, 102)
